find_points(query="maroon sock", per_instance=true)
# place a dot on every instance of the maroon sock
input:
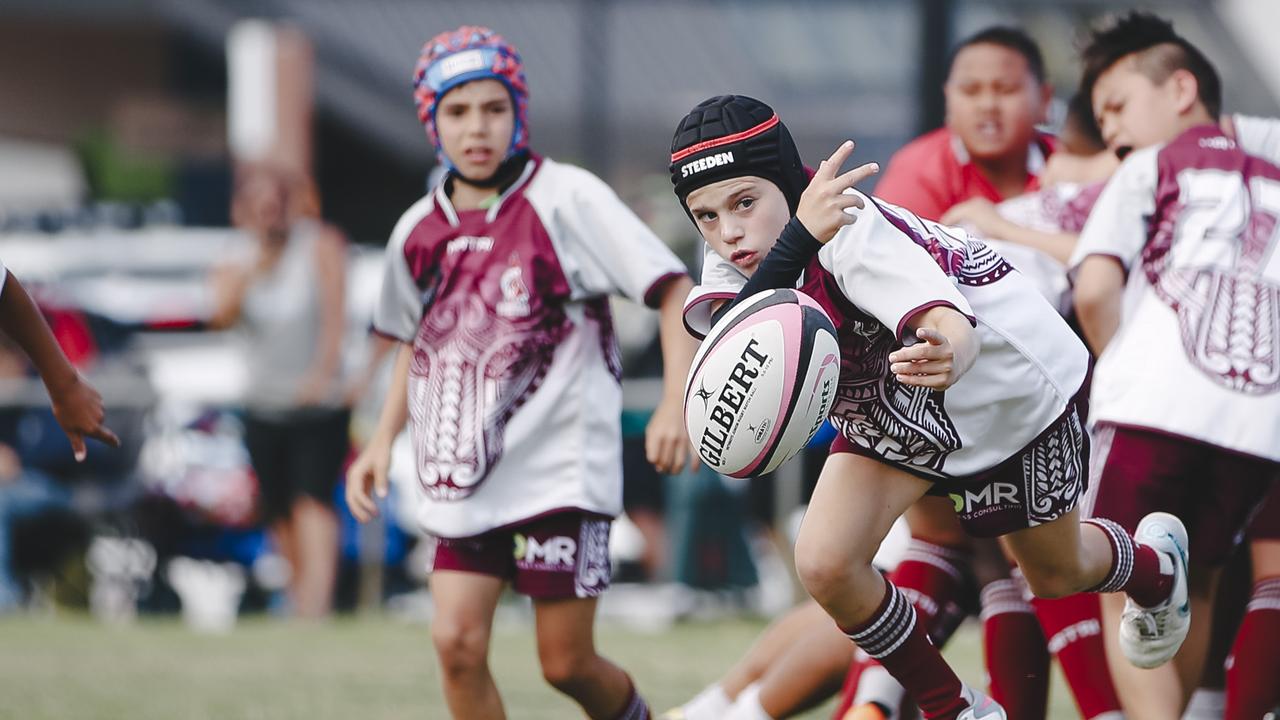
(1252, 690)
(932, 577)
(894, 637)
(1016, 656)
(1135, 568)
(1073, 626)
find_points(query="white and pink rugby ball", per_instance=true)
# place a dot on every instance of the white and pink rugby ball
(761, 383)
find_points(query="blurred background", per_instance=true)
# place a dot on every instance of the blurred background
(123, 123)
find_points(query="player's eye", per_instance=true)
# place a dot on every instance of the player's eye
(706, 217)
(746, 203)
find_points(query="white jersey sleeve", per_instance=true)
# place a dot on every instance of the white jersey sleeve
(1117, 225)
(400, 304)
(720, 280)
(1258, 136)
(4, 276)
(884, 271)
(604, 248)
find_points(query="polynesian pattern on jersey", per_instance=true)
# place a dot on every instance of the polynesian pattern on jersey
(901, 423)
(1228, 313)
(471, 371)
(970, 262)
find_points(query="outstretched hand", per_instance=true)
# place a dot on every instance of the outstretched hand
(824, 203)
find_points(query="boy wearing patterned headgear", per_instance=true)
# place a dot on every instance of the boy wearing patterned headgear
(497, 285)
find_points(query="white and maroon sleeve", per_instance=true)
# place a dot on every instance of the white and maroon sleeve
(605, 249)
(885, 272)
(1117, 225)
(721, 281)
(399, 309)
(1258, 136)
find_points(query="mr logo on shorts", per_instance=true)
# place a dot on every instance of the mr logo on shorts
(554, 552)
(991, 498)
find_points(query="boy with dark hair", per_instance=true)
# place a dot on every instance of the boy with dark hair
(497, 285)
(996, 94)
(918, 409)
(1175, 287)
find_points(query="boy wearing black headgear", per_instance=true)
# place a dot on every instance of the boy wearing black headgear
(918, 409)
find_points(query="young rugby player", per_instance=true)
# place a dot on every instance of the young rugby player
(1174, 263)
(918, 409)
(497, 286)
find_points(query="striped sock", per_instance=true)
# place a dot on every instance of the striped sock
(1252, 690)
(1016, 656)
(1135, 568)
(892, 636)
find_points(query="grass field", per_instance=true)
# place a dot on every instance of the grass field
(70, 667)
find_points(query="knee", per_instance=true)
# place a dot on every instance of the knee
(462, 650)
(826, 576)
(567, 671)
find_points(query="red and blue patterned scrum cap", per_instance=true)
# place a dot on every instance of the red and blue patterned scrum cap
(458, 56)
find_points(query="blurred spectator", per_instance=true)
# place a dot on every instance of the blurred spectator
(289, 299)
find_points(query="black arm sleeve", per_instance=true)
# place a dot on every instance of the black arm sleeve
(780, 268)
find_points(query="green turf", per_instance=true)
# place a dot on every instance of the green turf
(370, 668)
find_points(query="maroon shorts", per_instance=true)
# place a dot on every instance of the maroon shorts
(1041, 483)
(1266, 524)
(1214, 491)
(555, 557)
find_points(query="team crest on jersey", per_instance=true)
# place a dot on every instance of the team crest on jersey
(515, 294)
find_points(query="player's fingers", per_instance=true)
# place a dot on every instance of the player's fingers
(380, 480)
(858, 174)
(103, 433)
(828, 168)
(919, 351)
(931, 336)
(936, 382)
(77, 446)
(928, 367)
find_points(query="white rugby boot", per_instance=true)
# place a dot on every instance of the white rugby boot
(1150, 637)
(980, 707)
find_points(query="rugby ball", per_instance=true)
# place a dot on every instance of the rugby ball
(761, 383)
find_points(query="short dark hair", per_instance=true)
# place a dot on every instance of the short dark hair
(1007, 37)
(1080, 127)
(1160, 52)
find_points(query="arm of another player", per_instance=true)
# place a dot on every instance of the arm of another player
(981, 214)
(948, 348)
(77, 406)
(666, 443)
(1099, 288)
(368, 473)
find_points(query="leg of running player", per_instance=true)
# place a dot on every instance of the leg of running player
(570, 663)
(1066, 556)
(1252, 690)
(460, 629)
(809, 672)
(854, 505)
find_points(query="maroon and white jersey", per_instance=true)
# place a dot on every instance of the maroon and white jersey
(871, 279)
(514, 394)
(1197, 353)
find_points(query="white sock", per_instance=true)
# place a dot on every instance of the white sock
(1206, 704)
(747, 706)
(710, 704)
(876, 685)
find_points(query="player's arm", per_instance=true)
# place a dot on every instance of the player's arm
(77, 406)
(368, 473)
(331, 271)
(665, 440)
(1099, 288)
(981, 214)
(947, 349)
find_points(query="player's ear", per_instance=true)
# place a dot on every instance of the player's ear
(1186, 89)
(1045, 99)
